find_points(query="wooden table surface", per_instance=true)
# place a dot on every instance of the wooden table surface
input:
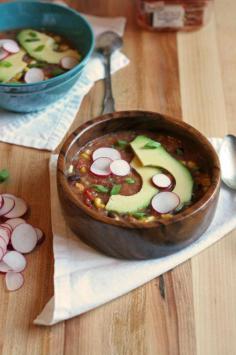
(191, 75)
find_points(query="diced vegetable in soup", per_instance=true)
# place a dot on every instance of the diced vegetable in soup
(29, 56)
(138, 176)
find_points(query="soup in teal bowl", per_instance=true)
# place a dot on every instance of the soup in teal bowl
(55, 43)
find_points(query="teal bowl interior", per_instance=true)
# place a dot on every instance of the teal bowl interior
(57, 19)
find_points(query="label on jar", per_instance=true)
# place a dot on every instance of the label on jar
(168, 16)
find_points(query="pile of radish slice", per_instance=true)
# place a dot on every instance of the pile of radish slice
(107, 161)
(17, 237)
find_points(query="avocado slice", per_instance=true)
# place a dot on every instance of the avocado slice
(41, 47)
(11, 66)
(159, 157)
(140, 200)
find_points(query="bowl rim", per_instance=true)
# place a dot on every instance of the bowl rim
(72, 71)
(210, 194)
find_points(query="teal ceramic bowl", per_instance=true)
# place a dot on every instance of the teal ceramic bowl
(55, 18)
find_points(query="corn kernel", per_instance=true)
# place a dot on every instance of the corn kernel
(167, 216)
(192, 165)
(70, 169)
(83, 170)
(79, 186)
(88, 152)
(149, 219)
(64, 47)
(85, 156)
(98, 203)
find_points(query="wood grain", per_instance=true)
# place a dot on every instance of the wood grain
(189, 310)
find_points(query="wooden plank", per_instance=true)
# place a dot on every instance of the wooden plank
(203, 104)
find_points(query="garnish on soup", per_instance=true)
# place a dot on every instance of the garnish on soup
(138, 177)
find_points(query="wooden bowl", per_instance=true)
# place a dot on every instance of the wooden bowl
(137, 240)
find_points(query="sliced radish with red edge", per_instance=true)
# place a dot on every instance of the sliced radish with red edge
(8, 204)
(3, 54)
(162, 181)
(24, 238)
(14, 280)
(15, 260)
(14, 222)
(101, 167)
(165, 202)
(120, 167)
(5, 235)
(68, 62)
(18, 210)
(1, 201)
(3, 245)
(34, 75)
(11, 46)
(4, 267)
(106, 152)
(6, 226)
(2, 253)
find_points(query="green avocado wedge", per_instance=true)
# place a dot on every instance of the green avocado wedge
(140, 200)
(159, 157)
(11, 66)
(41, 47)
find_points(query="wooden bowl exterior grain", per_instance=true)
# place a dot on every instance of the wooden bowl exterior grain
(137, 240)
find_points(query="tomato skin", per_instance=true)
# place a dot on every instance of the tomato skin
(88, 202)
(89, 194)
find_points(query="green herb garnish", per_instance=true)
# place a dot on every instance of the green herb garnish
(151, 144)
(139, 215)
(100, 188)
(130, 180)
(179, 151)
(57, 71)
(37, 65)
(5, 64)
(4, 175)
(32, 40)
(32, 34)
(122, 144)
(39, 48)
(115, 189)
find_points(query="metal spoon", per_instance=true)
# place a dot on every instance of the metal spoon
(106, 44)
(228, 161)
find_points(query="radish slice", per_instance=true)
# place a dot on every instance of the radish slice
(11, 46)
(3, 54)
(34, 75)
(3, 245)
(14, 260)
(4, 267)
(1, 201)
(4, 234)
(105, 152)
(162, 181)
(120, 167)
(165, 202)
(14, 222)
(24, 238)
(14, 280)
(68, 62)
(101, 167)
(40, 235)
(2, 252)
(6, 226)
(18, 210)
(8, 204)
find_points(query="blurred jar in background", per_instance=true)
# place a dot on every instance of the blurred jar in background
(173, 15)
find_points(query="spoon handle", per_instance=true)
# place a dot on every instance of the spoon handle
(109, 103)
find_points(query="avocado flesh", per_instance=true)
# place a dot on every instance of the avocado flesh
(17, 65)
(159, 157)
(140, 200)
(47, 53)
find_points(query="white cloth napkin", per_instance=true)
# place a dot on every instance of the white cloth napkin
(45, 129)
(85, 279)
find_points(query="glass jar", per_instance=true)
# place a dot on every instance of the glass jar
(173, 15)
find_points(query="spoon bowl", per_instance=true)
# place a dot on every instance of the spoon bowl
(228, 161)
